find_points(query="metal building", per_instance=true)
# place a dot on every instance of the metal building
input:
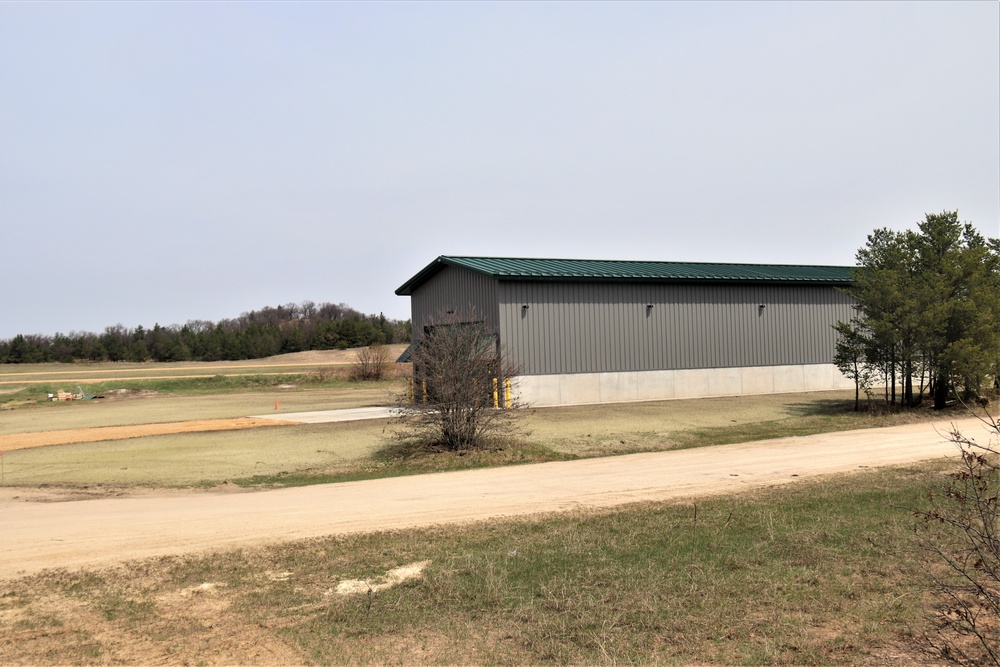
(592, 331)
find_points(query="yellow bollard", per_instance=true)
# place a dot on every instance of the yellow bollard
(506, 393)
(424, 386)
(496, 396)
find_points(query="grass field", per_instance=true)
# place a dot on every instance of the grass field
(822, 573)
(313, 453)
(818, 573)
(198, 391)
(167, 406)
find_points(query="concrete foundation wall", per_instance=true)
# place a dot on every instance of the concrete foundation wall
(583, 388)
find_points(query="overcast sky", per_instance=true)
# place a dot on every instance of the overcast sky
(163, 162)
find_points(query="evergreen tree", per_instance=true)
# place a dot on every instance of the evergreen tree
(926, 298)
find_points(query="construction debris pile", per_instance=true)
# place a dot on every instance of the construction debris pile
(67, 396)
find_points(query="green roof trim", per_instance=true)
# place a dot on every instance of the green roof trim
(408, 352)
(605, 270)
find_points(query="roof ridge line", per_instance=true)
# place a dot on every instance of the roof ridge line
(640, 261)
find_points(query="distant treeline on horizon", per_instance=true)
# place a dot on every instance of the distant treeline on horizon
(254, 335)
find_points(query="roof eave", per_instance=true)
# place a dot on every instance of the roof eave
(440, 262)
(431, 270)
(422, 276)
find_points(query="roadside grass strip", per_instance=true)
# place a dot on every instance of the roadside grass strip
(820, 573)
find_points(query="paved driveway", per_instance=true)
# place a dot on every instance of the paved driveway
(325, 416)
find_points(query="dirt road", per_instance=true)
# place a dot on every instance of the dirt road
(108, 530)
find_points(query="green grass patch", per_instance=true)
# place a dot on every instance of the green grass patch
(624, 428)
(413, 458)
(192, 386)
(790, 427)
(819, 573)
(228, 383)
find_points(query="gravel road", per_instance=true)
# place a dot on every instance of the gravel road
(96, 532)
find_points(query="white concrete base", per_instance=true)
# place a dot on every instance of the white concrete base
(583, 388)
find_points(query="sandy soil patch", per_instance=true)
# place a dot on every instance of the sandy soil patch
(191, 624)
(16, 441)
(393, 577)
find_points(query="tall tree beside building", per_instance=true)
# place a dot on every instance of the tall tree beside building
(928, 305)
(960, 287)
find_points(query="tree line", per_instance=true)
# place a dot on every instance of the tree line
(252, 335)
(927, 306)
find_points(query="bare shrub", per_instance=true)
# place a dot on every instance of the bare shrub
(961, 532)
(372, 363)
(459, 396)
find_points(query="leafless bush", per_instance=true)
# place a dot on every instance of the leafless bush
(459, 396)
(372, 363)
(961, 531)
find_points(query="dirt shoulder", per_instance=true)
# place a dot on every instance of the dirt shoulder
(109, 530)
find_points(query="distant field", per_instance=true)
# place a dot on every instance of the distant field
(158, 393)
(13, 375)
(163, 407)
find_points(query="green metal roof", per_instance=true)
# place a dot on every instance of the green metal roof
(603, 270)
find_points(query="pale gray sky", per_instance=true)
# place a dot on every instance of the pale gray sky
(161, 162)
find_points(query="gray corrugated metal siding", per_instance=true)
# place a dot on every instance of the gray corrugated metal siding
(468, 295)
(604, 327)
